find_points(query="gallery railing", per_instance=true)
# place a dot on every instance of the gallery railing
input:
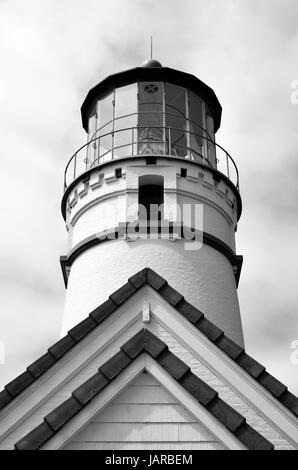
(146, 141)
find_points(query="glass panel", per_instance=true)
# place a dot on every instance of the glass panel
(125, 104)
(150, 118)
(92, 123)
(175, 100)
(105, 143)
(175, 120)
(211, 151)
(124, 136)
(196, 126)
(126, 100)
(176, 136)
(105, 111)
(91, 148)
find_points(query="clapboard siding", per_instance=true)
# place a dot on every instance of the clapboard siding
(145, 379)
(144, 416)
(105, 432)
(144, 446)
(145, 413)
(145, 394)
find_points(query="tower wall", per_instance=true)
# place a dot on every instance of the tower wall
(104, 201)
(204, 276)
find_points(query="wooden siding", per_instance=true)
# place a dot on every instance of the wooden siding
(144, 416)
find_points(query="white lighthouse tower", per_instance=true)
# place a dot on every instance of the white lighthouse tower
(151, 354)
(151, 141)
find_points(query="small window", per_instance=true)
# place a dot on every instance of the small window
(151, 197)
(183, 172)
(118, 172)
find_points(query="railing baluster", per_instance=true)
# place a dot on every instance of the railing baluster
(132, 142)
(228, 169)
(75, 167)
(170, 143)
(204, 148)
(94, 151)
(112, 149)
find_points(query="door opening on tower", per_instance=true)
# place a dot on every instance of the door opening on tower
(151, 197)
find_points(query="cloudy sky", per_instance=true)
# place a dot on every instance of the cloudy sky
(52, 52)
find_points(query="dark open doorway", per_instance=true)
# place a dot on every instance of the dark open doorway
(151, 197)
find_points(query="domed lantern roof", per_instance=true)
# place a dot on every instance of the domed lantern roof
(151, 63)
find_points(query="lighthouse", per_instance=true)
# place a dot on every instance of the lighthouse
(151, 144)
(151, 354)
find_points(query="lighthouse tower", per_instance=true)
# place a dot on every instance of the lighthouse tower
(151, 144)
(151, 354)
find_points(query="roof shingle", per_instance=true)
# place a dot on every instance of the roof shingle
(63, 413)
(115, 365)
(42, 364)
(208, 397)
(103, 311)
(61, 347)
(90, 388)
(82, 329)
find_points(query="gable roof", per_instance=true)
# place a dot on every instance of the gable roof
(144, 341)
(174, 298)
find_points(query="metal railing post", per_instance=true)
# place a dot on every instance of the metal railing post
(75, 167)
(98, 153)
(228, 169)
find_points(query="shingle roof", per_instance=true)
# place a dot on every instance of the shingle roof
(144, 341)
(195, 316)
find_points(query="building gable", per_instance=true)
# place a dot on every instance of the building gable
(144, 416)
(148, 298)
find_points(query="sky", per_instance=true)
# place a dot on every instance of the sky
(52, 52)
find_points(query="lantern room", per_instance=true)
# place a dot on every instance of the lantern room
(151, 111)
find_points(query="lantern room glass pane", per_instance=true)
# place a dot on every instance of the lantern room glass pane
(211, 150)
(105, 112)
(150, 104)
(92, 123)
(126, 100)
(175, 107)
(91, 148)
(176, 136)
(126, 107)
(175, 100)
(196, 126)
(150, 118)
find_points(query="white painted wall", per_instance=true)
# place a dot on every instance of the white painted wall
(144, 416)
(105, 201)
(205, 277)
